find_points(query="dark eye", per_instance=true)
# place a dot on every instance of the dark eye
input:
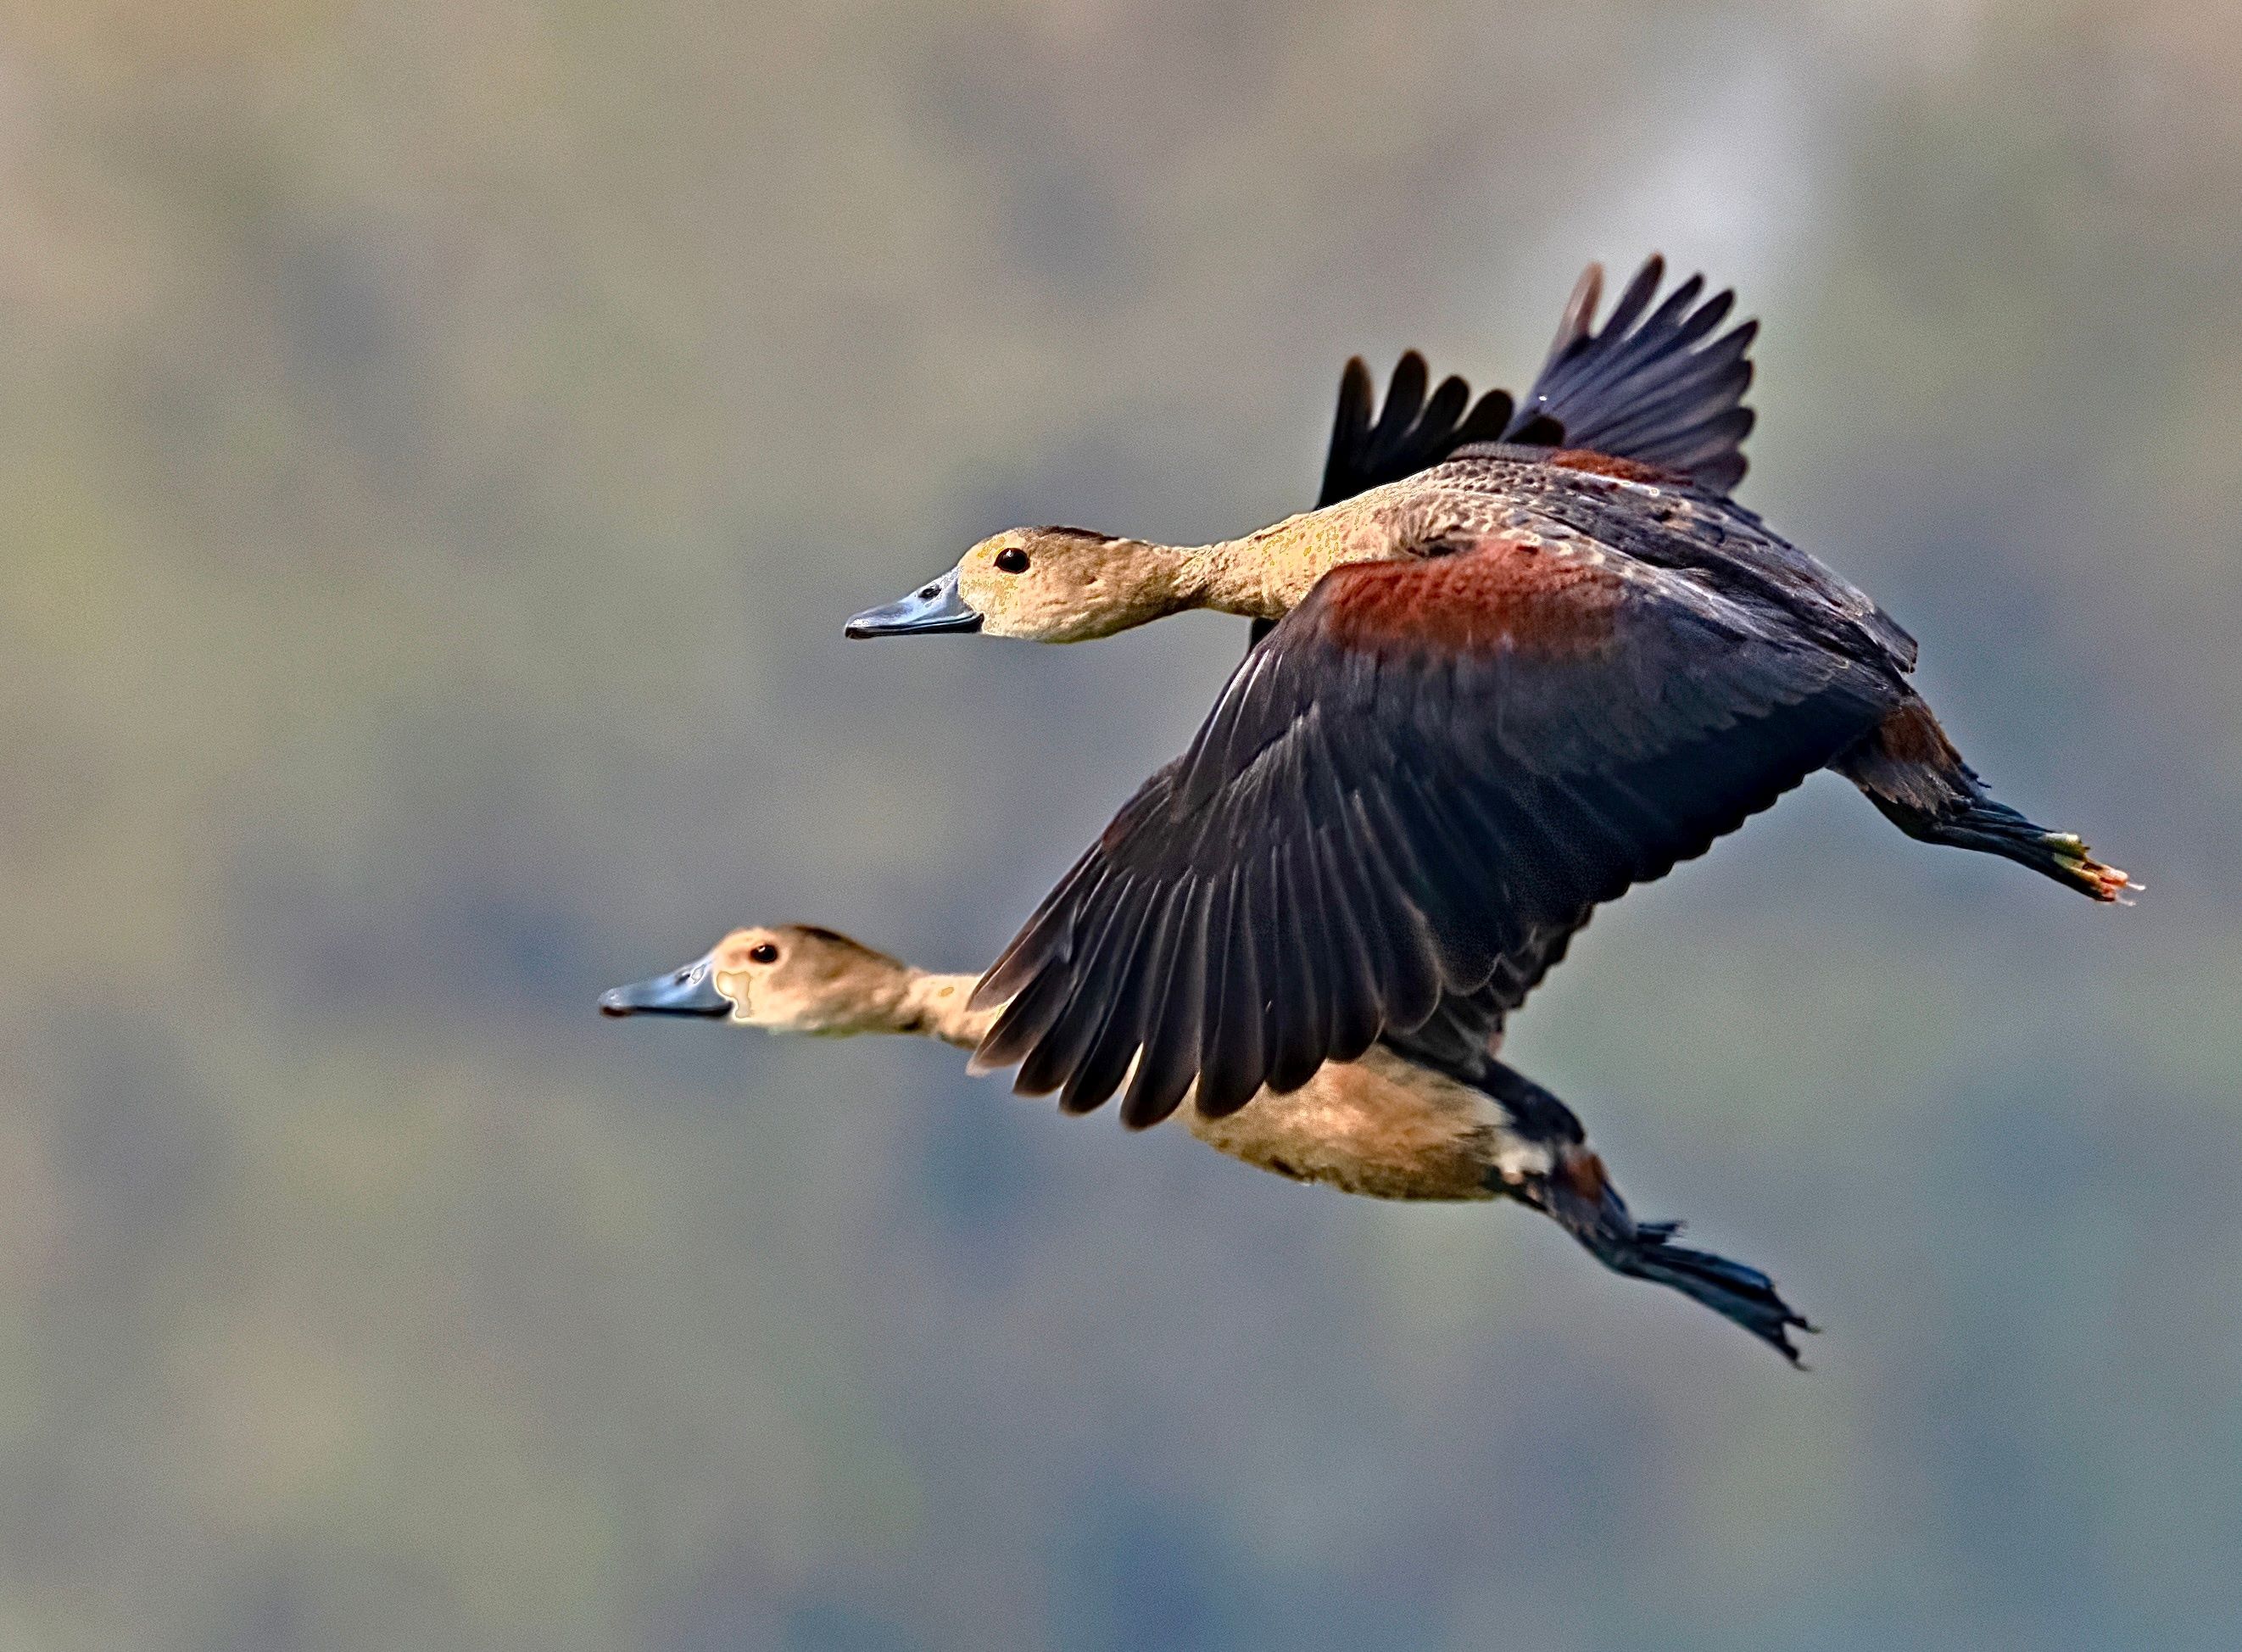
(1012, 560)
(764, 952)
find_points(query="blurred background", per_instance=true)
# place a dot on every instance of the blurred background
(439, 444)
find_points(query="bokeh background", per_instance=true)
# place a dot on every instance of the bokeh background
(438, 444)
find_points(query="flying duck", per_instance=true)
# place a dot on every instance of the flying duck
(1383, 1126)
(1494, 691)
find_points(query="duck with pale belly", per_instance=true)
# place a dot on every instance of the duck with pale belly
(1383, 1126)
(1520, 657)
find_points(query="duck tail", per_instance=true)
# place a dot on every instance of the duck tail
(1657, 388)
(1911, 772)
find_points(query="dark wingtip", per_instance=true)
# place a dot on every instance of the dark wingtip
(1580, 312)
(1648, 383)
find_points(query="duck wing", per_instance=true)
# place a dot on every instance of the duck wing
(1677, 527)
(1412, 431)
(1464, 1033)
(1649, 385)
(1432, 768)
(1652, 385)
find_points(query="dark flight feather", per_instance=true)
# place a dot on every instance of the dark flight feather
(1654, 392)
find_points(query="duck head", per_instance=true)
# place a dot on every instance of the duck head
(791, 978)
(1044, 585)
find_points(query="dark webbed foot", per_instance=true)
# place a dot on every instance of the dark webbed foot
(1995, 829)
(1583, 1201)
(1730, 1289)
(1911, 771)
(1574, 1191)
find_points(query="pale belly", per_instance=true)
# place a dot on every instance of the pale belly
(1381, 1128)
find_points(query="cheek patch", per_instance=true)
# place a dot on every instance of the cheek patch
(732, 985)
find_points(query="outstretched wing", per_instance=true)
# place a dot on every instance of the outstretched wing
(1652, 389)
(1412, 431)
(1651, 386)
(1430, 770)
(1656, 388)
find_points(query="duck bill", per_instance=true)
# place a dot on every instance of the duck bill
(932, 608)
(691, 991)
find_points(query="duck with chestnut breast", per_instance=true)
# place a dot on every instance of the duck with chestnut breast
(1383, 1126)
(1495, 693)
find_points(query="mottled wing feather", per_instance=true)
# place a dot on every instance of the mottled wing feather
(1408, 794)
(1678, 528)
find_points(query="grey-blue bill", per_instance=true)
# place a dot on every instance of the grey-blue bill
(936, 607)
(691, 991)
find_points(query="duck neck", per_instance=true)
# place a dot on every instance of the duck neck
(933, 1006)
(1146, 580)
(1259, 577)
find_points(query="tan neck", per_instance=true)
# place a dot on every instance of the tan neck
(1264, 575)
(933, 1006)
(1152, 581)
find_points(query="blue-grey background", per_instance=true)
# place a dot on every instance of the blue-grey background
(438, 444)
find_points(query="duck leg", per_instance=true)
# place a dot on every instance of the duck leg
(1912, 772)
(1575, 1192)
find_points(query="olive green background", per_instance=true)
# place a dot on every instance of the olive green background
(438, 444)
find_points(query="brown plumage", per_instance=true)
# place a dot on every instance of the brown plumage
(1385, 1126)
(1498, 690)
(1428, 766)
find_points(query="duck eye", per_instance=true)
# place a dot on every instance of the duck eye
(1012, 560)
(763, 953)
